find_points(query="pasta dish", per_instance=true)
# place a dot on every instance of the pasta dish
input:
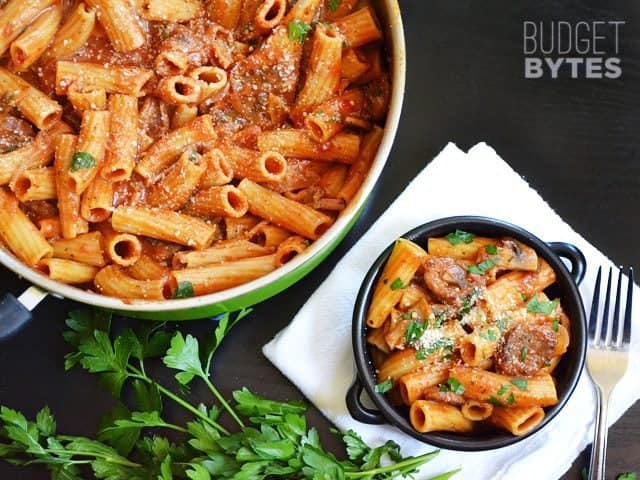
(154, 149)
(463, 334)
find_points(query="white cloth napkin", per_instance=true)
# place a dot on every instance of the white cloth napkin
(320, 334)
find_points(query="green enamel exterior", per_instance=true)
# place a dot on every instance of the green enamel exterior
(250, 298)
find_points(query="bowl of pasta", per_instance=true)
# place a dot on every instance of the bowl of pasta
(469, 333)
(174, 160)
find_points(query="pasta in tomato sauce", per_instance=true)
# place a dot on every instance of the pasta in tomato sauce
(463, 334)
(171, 124)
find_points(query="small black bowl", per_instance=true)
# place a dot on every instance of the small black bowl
(566, 373)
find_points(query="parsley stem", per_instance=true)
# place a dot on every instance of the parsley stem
(446, 475)
(108, 458)
(411, 462)
(169, 394)
(223, 402)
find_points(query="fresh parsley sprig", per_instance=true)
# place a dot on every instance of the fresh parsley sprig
(271, 439)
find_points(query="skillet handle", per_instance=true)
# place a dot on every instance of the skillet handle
(575, 257)
(359, 411)
(13, 316)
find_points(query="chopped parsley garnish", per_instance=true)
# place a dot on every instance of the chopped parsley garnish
(298, 30)
(184, 290)
(385, 386)
(460, 236)
(407, 315)
(523, 353)
(483, 267)
(536, 305)
(489, 335)
(455, 386)
(468, 303)
(501, 323)
(421, 354)
(503, 389)
(440, 344)
(444, 388)
(511, 399)
(521, 383)
(524, 297)
(397, 284)
(439, 320)
(494, 401)
(334, 4)
(414, 331)
(555, 324)
(82, 160)
(491, 249)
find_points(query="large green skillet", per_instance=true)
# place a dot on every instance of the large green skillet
(15, 312)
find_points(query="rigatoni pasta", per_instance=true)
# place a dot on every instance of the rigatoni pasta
(465, 335)
(204, 144)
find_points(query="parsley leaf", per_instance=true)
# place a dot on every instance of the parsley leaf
(536, 305)
(555, 324)
(523, 353)
(502, 390)
(334, 4)
(440, 320)
(511, 399)
(440, 344)
(384, 387)
(494, 401)
(100, 355)
(184, 355)
(489, 335)
(460, 236)
(482, 267)
(502, 323)
(298, 30)
(183, 290)
(491, 249)
(421, 354)
(82, 160)
(455, 386)
(414, 331)
(468, 302)
(397, 284)
(356, 448)
(521, 383)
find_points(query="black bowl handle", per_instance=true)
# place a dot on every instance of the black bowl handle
(13, 316)
(359, 411)
(575, 257)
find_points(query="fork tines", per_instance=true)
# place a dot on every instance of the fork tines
(602, 329)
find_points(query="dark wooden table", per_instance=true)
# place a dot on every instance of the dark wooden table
(575, 140)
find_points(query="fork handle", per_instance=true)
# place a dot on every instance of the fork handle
(599, 448)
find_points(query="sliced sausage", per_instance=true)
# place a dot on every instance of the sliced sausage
(526, 349)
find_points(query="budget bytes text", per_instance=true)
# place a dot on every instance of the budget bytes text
(561, 49)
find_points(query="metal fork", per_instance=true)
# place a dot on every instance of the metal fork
(607, 360)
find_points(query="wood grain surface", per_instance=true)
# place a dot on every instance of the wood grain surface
(575, 141)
